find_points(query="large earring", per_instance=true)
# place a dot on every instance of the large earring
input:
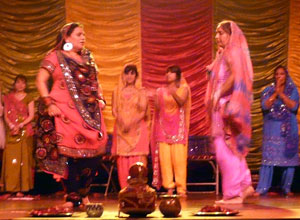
(68, 46)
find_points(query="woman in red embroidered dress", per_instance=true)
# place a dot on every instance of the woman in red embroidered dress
(71, 130)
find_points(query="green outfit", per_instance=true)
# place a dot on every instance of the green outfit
(18, 163)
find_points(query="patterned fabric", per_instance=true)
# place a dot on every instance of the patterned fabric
(280, 137)
(236, 111)
(18, 163)
(17, 111)
(80, 130)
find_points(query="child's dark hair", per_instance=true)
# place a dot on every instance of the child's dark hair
(131, 68)
(175, 69)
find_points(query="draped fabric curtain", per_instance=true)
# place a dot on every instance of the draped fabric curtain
(265, 25)
(294, 45)
(113, 35)
(154, 34)
(28, 29)
(178, 32)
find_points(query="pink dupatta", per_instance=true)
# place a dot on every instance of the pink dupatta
(237, 113)
(17, 111)
(154, 142)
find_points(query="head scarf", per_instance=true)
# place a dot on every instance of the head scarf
(64, 30)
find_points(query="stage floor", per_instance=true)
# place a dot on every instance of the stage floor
(265, 207)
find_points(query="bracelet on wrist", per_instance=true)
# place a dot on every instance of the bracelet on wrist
(101, 98)
(102, 101)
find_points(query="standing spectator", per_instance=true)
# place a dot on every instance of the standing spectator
(280, 102)
(131, 130)
(170, 133)
(17, 167)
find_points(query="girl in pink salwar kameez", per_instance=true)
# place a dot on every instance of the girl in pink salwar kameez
(169, 138)
(228, 99)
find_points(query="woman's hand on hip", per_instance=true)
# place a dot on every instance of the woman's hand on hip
(54, 111)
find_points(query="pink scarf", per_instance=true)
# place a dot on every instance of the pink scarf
(17, 111)
(237, 113)
(175, 131)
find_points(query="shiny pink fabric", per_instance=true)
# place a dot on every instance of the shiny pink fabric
(235, 58)
(17, 111)
(236, 175)
(168, 124)
(233, 108)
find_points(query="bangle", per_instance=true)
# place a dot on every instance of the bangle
(47, 100)
(101, 98)
(102, 101)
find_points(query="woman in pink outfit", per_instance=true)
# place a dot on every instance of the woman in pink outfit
(131, 130)
(228, 100)
(170, 131)
(71, 131)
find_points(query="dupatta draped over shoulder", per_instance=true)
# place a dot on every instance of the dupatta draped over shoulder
(281, 139)
(170, 124)
(237, 111)
(17, 111)
(80, 131)
(135, 141)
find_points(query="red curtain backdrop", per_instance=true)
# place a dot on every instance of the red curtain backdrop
(178, 32)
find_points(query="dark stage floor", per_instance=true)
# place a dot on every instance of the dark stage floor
(266, 207)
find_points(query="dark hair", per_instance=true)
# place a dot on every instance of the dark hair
(20, 77)
(281, 67)
(175, 69)
(131, 68)
(70, 28)
(226, 26)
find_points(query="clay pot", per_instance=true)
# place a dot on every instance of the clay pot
(137, 199)
(170, 205)
(94, 209)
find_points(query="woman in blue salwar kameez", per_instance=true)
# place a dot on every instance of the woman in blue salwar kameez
(279, 103)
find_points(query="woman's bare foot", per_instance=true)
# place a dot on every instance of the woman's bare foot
(183, 195)
(249, 191)
(289, 194)
(85, 200)
(19, 194)
(235, 200)
(170, 191)
(68, 205)
(256, 194)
